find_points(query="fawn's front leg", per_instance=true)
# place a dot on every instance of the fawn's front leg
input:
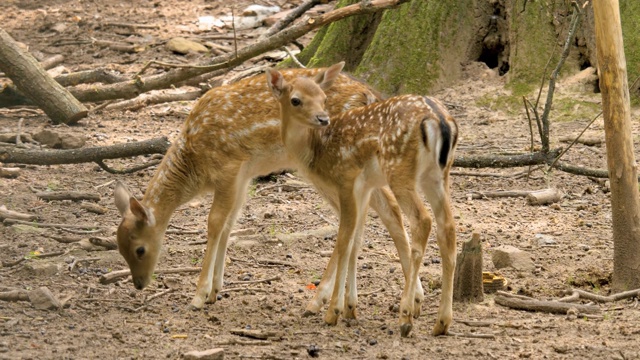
(227, 202)
(348, 222)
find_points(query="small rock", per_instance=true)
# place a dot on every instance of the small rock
(211, 354)
(584, 247)
(545, 239)
(373, 342)
(56, 140)
(183, 46)
(509, 256)
(43, 299)
(41, 268)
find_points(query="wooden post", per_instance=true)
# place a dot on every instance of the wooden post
(36, 84)
(625, 205)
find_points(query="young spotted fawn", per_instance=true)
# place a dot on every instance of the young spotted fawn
(404, 143)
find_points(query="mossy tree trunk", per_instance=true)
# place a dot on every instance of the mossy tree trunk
(423, 46)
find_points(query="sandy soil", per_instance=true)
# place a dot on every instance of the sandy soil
(110, 321)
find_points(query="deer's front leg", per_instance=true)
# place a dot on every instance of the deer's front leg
(352, 288)
(348, 222)
(226, 204)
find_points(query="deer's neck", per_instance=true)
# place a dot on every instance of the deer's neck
(300, 142)
(170, 186)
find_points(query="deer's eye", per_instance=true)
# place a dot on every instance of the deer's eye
(296, 102)
(140, 251)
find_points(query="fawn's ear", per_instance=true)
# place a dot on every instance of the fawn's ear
(326, 78)
(141, 213)
(276, 82)
(122, 196)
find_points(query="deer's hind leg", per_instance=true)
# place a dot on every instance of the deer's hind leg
(385, 204)
(436, 192)
(420, 224)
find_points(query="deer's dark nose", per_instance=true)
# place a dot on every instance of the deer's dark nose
(323, 120)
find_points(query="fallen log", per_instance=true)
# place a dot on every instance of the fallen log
(38, 86)
(77, 156)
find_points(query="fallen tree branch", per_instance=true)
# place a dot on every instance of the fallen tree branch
(117, 275)
(76, 156)
(10, 214)
(577, 294)
(294, 14)
(554, 307)
(130, 170)
(8, 222)
(67, 195)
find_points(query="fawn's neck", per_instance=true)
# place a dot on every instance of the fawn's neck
(300, 143)
(168, 188)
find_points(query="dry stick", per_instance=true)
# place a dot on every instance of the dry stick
(554, 75)
(235, 36)
(146, 100)
(130, 170)
(294, 58)
(554, 307)
(88, 76)
(469, 173)
(132, 26)
(471, 335)
(13, 221)
(116, 275)
(526, 108)
(500, 194)
(68, 195)
(155, 296)
(573, 142)
(10, 214)
(599, 298)
(515, 296)
(18, 135)
(255, 281)
(296, 13)
(63, 239)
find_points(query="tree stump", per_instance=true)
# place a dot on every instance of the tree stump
(467, 284)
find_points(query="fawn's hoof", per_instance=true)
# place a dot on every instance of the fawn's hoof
(309, 313)
(331, 317)
(195, 306)
(405, 329)
(440, 328)
(350, 313)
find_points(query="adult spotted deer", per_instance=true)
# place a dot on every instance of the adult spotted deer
(405, 143)
(231, 136)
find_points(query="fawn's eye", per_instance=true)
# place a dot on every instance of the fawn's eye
(140, 251)
(296, 102)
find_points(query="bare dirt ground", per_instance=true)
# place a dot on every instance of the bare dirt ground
(116, 322)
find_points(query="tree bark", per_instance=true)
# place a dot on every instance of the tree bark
(625, 205)
(33, 80)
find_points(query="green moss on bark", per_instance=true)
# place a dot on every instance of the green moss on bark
(630, 18)
(344, 40)
(407, 51)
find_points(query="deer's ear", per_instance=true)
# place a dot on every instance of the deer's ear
(276, 83)
(326, 78)
(122, 196)
(141, 213)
